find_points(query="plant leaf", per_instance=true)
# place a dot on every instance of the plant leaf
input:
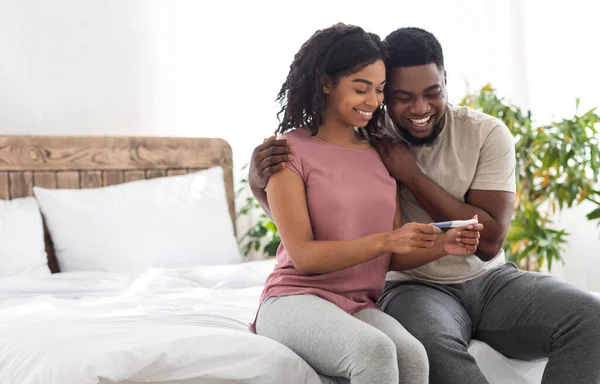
(594, 215)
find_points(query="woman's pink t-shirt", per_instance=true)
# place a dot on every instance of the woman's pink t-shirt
(349, 194)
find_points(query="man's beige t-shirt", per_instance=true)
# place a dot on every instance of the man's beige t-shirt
(473, 151)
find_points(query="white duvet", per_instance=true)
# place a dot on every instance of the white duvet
(168, 326)
(183, 326)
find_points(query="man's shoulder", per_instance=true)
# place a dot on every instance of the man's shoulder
(468, 118)
(473, 128)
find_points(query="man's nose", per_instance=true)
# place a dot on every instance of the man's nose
(421, 106)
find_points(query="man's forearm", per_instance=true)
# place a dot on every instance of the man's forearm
(261, 196)
(442, 206)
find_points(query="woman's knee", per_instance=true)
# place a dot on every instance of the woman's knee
(411, 359)
(411, 350)
(375, 348)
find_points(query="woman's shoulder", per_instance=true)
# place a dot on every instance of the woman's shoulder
(297, 135)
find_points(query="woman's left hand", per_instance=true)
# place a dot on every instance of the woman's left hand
(462, 241)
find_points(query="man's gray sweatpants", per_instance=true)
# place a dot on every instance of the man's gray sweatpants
(522, 315)
(368, 347)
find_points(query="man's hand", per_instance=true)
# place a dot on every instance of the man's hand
(398, 159)
(463, 241)
(268, 159)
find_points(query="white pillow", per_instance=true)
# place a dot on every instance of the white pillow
(22, 248)
(167, 222)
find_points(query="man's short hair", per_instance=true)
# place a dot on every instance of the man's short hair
(413, 46)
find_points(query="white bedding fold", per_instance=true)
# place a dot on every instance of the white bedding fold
(180, 325)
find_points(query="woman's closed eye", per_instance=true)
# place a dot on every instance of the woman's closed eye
(362, 92)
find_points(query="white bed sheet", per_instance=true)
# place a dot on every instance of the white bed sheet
(166, 326)
(169, 326)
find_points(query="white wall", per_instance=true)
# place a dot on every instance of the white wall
(582, 254)
(231, 58)
(76, 67)
(195, 68)
(185, 68)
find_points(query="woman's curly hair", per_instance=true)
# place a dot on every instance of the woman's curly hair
(337, 51)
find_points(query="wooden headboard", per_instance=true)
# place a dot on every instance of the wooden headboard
(73, 162)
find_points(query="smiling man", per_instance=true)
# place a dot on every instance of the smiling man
(453, 163)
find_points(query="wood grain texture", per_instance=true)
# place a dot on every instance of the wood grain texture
(134, 175)
(44, 179)
(228, 178)
(73, 162)
(65, 153)
(4, 186)
(176, 172)
(21, 184)
(90, 179)
(154, 173)
(67, 180)
(113, 177)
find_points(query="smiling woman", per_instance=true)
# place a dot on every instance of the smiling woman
(346, 77)
(353, 100)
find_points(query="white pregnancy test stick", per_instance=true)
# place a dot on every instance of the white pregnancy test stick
(455, 223)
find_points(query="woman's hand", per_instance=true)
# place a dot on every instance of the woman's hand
(410, 238)
(462, 241)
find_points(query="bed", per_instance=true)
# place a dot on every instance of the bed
(160, 324)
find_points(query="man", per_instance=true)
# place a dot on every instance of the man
(453, 163)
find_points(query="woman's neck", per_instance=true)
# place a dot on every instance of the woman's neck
(339, 134)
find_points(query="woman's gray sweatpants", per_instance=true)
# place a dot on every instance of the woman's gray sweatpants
(368, 347)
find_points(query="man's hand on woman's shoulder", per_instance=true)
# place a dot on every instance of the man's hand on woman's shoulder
(268, 159)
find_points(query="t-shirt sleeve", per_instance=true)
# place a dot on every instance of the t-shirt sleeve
(496, 165)
(295, 165)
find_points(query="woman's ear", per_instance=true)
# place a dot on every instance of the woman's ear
(327, 84)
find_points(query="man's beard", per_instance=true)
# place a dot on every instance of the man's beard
(422, 141)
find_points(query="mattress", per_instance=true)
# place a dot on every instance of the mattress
(181, 326)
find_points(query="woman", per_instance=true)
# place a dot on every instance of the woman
(334, 208)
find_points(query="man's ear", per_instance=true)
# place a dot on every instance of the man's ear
(445, 78)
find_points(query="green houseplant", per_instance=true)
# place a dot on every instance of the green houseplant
(557, 168)
(262, 236)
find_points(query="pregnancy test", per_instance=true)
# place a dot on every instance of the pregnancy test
(455, 223)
